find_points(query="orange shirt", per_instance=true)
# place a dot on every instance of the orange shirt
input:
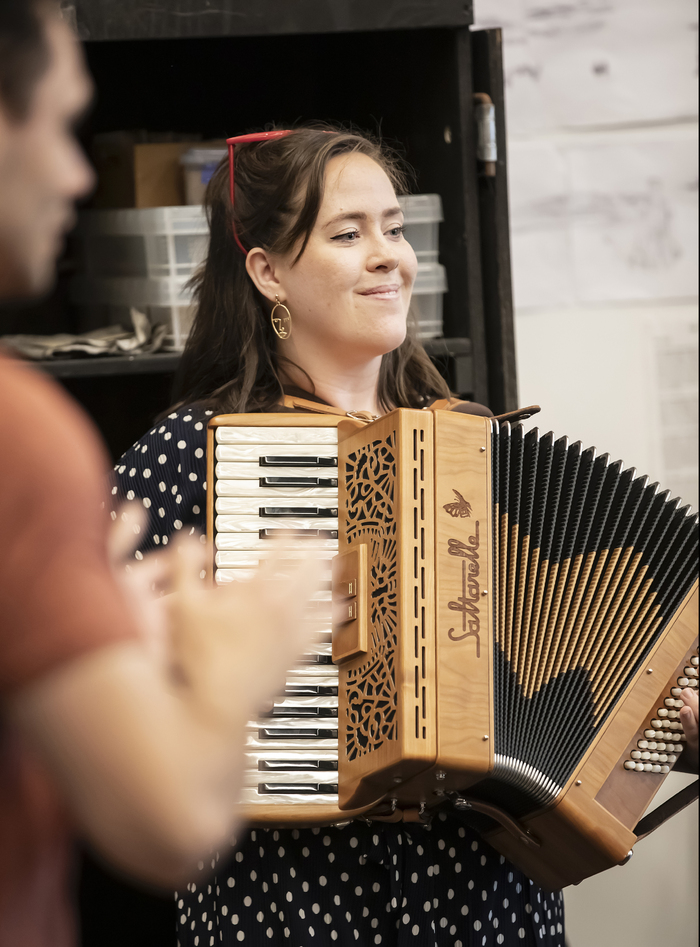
(57, 602)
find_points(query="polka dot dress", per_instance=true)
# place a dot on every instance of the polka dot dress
(398, 885)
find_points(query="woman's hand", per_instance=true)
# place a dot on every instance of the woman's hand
(689, 719)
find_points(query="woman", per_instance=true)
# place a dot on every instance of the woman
(316, 239)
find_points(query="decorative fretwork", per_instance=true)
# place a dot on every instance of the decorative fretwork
(370, 476)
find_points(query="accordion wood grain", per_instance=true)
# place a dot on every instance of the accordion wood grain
(514, 641)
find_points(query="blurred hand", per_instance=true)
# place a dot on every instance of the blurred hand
(233, 644)
(143, 582)
(689, 719)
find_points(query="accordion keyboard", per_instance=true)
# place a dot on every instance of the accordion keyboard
(282, 483)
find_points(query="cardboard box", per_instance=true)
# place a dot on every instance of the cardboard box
(140, 174)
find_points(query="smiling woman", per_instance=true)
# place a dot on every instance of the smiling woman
(306, 292)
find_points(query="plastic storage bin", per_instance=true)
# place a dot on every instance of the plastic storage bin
(108, 301)
(199, 164)
(150, 243)
(422, 216)
(428, 290)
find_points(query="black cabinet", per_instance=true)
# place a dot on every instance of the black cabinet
(406, 69)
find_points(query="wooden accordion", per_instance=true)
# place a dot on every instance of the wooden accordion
(506, 622)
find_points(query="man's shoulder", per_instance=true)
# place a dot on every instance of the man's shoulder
(43, 429)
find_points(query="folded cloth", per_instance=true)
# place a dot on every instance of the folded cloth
(109, 340)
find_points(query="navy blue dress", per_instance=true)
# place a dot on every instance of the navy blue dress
(398, 885)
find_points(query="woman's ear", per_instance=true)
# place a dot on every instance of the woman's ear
(262, 271)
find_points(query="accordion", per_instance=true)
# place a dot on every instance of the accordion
(506, 623)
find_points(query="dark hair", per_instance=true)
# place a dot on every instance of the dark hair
(24, 52)
(230, 361)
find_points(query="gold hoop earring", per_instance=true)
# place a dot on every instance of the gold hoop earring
(282, 325)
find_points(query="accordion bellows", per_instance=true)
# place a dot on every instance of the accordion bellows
(515, 618)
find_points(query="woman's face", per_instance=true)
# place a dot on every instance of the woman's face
(349, 292)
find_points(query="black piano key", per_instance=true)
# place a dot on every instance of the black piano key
(307, 512)
(302, 733)
(297, 766)
(306, 789)
(302, 712)
(298, 482)
(271, 460)
(317, 659)
(311, 690)
(268, 533)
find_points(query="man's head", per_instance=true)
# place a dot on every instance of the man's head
(44, 90)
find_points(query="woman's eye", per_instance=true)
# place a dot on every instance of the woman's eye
(347, 237)
(396, 231)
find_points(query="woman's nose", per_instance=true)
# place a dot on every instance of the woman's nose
(383, 257)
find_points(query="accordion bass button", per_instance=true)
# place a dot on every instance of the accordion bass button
(656, 768)
(647, 767)
(639, 767)
(695, 660)
(630, 764)
(650, 733)
(665, 769)
(656, 724)
(636, 755)
(643, 745)
(676, 691)
(683, 682)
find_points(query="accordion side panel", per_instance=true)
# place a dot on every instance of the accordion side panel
(386, 720)
(465, 601)
(590, 826)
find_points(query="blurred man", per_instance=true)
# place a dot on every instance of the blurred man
(116, 719)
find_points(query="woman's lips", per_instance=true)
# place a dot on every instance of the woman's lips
(390, 291)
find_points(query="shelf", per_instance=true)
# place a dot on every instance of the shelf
(132, 19)
(110, 365)
(168, 361)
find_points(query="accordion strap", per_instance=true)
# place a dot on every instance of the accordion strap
(666, 810)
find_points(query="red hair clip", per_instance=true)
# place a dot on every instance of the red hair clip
(239, 140)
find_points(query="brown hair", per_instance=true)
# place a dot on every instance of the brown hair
(230, 362)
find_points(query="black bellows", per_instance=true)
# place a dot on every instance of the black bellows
(590, 563)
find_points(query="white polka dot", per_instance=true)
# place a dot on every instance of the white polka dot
(193, 476)
(162, 458)
(173, 415)
(198, 426)
(199, 452)
(147, 473)
(132, 472)
(182, 444)
(146, 502)
(165, 540)
(156, 540)
(477, 925)
(138, 555)
(161, 512)
(114, 490)
(521, 933)
(187, 417)
(130, 495)
(178, 524)
(178, 499)
(167, 436)
(122, 469)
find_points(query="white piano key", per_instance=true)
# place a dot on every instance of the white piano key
(253, 524)
(251, 453)
(279, 435)
(250, 797)
(251, 542)
(250, 506)
(252, 488)
(251, 471)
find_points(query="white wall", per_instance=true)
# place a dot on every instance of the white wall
(601, 99)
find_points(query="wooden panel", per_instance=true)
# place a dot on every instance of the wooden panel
(132, 19)
(495, 233)
(464, 626)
